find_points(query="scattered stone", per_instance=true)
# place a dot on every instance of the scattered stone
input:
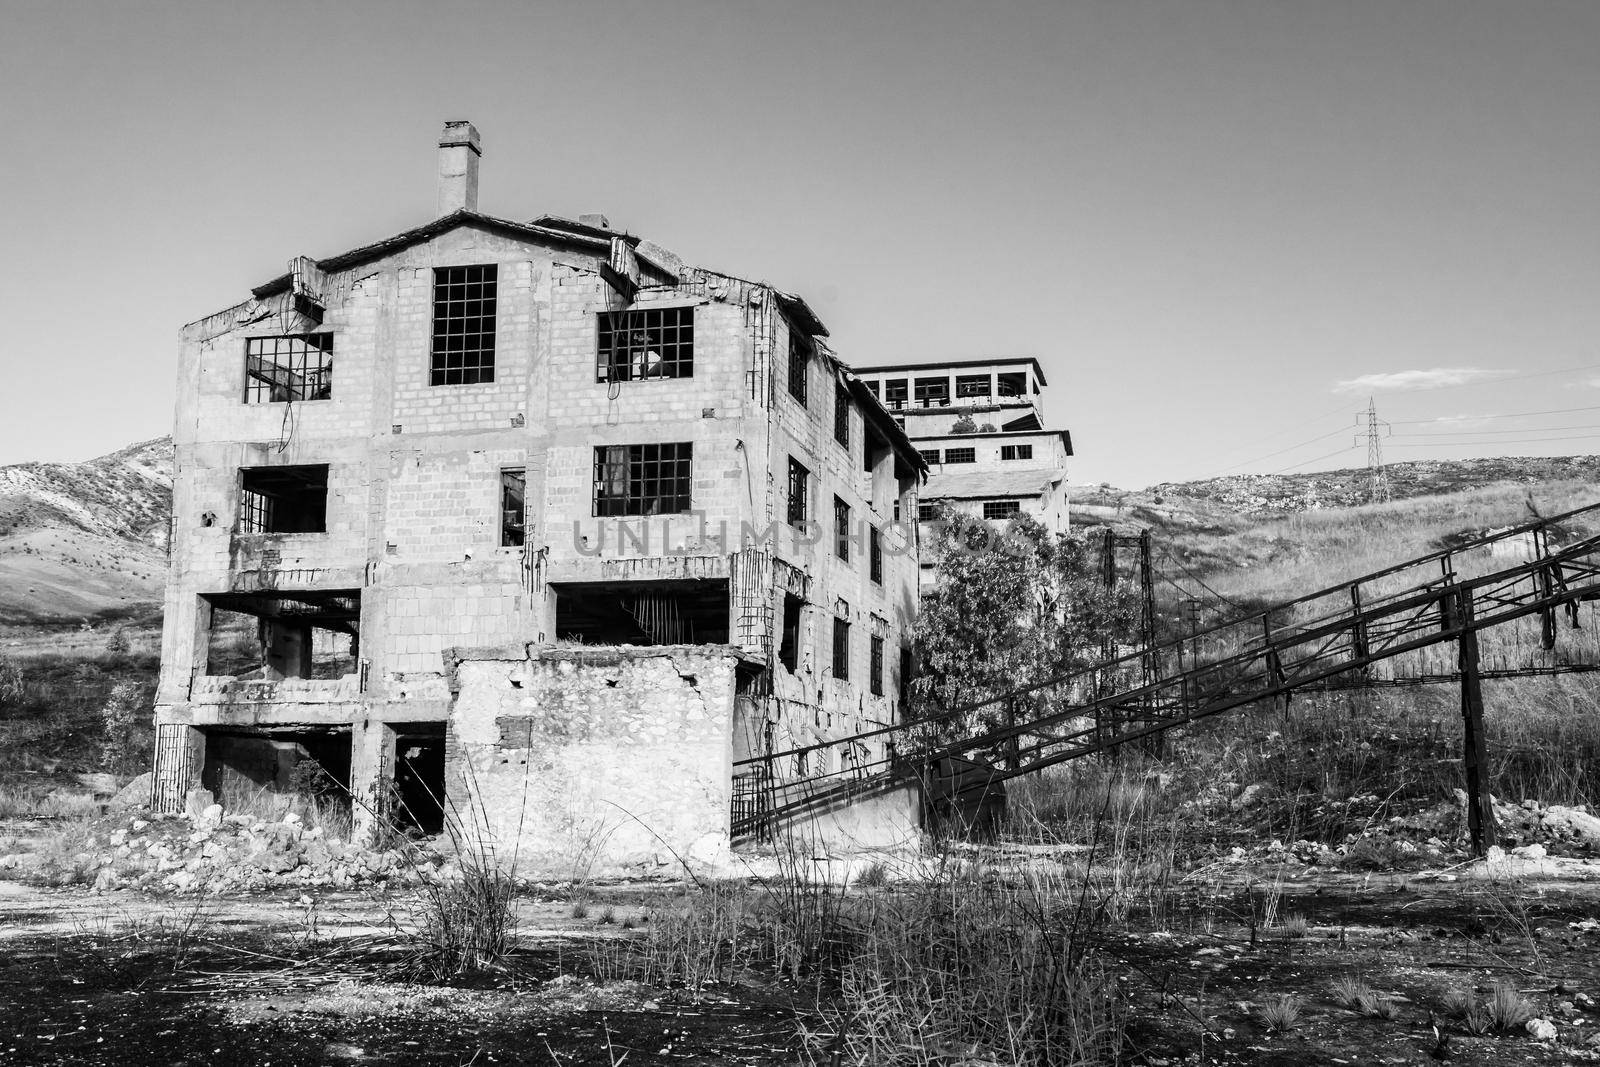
(1541, 1029)
(136, 794)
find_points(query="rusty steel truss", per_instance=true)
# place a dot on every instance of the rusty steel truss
(1421, 621)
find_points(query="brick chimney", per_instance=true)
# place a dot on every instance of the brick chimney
(459, 152)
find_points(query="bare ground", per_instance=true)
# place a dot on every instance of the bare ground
(131, 979)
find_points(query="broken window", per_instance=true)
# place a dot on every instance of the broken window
(789, 643)
(875, 675)
(875, 551)
(799, 508)
(1001, 509)
(463, 324)
(269, 636)
(799, 360)
(930, 456)
(513, 507)
(841, 415)
(646, 343)
(972, 385)
(933, 392)
(673, 612)
(894, 393)
(283, 499)
(841, 647)
(1016, 451)
(903, 682)
(642, 479)
(927, 512)
(282, 369)
(1013, 384)
(960, 455)
(841, 529)
(875, 388)
(278, 769)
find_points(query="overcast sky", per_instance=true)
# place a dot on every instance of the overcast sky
(1220, 226)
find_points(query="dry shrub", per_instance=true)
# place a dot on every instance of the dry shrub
(967, 961)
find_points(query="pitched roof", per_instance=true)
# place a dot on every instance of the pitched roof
(546, 228)
(945, 484)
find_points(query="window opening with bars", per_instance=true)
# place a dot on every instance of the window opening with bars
(463, 324)
(643, 479)
(296, 367)
(644, 343)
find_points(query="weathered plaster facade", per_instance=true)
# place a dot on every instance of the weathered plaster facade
(407, 567)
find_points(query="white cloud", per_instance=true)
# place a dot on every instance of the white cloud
(1406, 380)
(1593, 383)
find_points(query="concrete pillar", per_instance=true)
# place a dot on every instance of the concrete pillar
(288, 649)
(370, 743)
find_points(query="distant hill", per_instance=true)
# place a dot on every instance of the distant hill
(85, 540)
(1282, 494)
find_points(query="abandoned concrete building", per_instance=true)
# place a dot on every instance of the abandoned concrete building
(534, 520)
(979, 425)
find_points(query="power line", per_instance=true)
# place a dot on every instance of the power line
(1281, 451)
(1505, 415)
(1306, 462)
(1522, 441)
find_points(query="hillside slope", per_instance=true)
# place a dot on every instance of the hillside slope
(79, 540)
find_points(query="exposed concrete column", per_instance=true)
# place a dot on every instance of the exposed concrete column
(369, 740)
(288, 649)
(459, 152)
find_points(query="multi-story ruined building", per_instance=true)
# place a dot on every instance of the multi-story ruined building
(979, 425)
(531, 518)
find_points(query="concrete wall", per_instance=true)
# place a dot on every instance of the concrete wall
(414, 481)
(604, 761)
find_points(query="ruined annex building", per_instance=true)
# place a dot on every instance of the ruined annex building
(534, 521)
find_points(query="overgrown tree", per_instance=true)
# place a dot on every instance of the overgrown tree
(124, 744)
(1012, 607)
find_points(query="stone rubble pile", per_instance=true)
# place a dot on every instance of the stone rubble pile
(209, 851)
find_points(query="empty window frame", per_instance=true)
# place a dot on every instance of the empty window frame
(961, 455)
(875, 551)
(930, 456)
(1001, 509)
(972, 385)
(1013, 384)
(463, 324)
(894, 393)
(789, 643)
(841, 529)
(927, 512)
(799, 509)
(841, 648)
(292, 368)
(841, 415)
(875, 388)
(513, 507)
(643, 479)
(646, 343)
(1016, 451)
(289, 499)
(799, 361)
(875, 670)
(933, 392)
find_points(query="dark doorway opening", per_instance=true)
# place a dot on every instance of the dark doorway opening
(419, 800)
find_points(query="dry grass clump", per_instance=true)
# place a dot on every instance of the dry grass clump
(1508, 1009)
(1281, 1013)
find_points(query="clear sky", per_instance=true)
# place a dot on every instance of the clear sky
(1201, 216)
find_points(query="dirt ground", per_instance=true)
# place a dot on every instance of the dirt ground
(290, 979)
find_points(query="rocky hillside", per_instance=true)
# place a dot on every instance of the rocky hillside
(85, 540)
(1279, 494)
